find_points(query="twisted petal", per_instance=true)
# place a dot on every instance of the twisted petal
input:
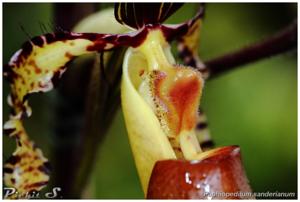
(27, 169)
(188, 44)
(42, 61)
(36, 68)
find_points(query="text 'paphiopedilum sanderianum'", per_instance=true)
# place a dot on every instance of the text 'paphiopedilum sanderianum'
(160, 99)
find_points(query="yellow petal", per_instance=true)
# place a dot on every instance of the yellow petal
(148, 142)
(101, 22)
(36, 68)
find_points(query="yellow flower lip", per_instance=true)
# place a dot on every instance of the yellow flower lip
(147, 140)
(160, 102)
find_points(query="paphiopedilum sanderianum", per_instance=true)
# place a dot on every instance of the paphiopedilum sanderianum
(160, 98)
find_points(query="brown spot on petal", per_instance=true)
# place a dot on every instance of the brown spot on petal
(141, 72)
(34, 65)
(98, 45)
(69, 55)
(45, 168)
(9, 131)
(13, 160)
(35, 185)
(29, 169)
(13, 180)
(7, 170)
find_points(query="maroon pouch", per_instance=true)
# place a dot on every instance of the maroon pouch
(219, 175)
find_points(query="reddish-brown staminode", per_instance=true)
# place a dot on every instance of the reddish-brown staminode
(220, 175)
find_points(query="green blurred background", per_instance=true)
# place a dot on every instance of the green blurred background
(254, 107)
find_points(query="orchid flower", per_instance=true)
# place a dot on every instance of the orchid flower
(160, 98)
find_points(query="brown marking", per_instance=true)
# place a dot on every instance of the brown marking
(25, 155)
(44, 169)
(177, 148)
(13, 160)
(38, 41)
(207, 144)
(35, 174)
(141, 72)
(34, 65)
(69, 55)
(158, 79)
(201, 125)
(29, 169)
(97, 46)
(8, 170)
(22, 79)
(36, 185)
(13, 180)
(192, 30)
(9, 131)
(41, 85)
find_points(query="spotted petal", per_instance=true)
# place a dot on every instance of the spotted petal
(36, 68)
(27, 169)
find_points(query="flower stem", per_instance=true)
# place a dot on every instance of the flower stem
(69, 107)
(282, 41)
